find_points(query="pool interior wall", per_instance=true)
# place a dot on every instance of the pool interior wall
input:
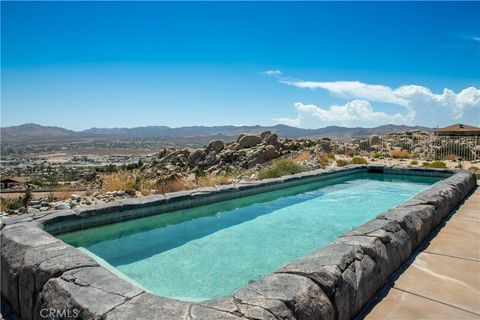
(39, 271)
(213, 250)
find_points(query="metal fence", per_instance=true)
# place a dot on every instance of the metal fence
(416, 146)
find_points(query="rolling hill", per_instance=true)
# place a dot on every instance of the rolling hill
(36, 133)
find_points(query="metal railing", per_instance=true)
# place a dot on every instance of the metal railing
(415, 146)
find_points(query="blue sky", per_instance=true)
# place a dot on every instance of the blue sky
(124, 64)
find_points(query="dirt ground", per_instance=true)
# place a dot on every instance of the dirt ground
(61, 195)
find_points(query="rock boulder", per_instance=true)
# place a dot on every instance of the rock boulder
(248, 141)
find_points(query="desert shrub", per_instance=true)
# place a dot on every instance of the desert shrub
(132, 166)
(324, 159)
(341, 162)
(364, 145)
(11, 204)
(404, 146)
(359, 160)
(37, 182)
(27, 196)
(434, 164)
(475, 170)
(414, 162)
(399, 154)
(167, 185)
(131, 192)
(199, 172)
(280, 168)
(119, 181)
(59, 192)
(138, 183)
(377, 155)
(451, 157)
(214, 180)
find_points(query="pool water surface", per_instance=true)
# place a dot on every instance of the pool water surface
(213, 250)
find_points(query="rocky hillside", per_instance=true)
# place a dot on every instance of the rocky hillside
(219, 158)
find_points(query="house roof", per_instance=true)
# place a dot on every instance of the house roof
(16, 179)
(458, 127)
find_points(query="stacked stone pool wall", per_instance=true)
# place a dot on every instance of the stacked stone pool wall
(40, 272)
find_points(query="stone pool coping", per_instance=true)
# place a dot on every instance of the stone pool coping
(40, 272)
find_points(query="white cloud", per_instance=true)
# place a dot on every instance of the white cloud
(475, 39)
(422, 106)
(449, 102)
(352, 114)
(272, 73)
(354, 89)
(293, 122)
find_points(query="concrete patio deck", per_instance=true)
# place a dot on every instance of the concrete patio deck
(443, 279)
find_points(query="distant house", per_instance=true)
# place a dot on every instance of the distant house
(12, 182)
(458, 130)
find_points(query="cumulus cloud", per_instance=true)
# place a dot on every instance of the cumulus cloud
(293, 122)
(354, 89)
(272, 73)
(351, 114)
(420, 103)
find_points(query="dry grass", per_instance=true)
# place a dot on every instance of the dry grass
(280, 168)
(399, 154)
(210, 180)
(118, 181)
(303, 156)
(342, 162)
(325, 159)
(451, 157)
(59, 193)
(434, 164)
(132, 180)
(125, 180)
(166, 186)
(12, 204)
(359, 160)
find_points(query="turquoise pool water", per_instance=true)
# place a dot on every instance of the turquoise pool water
(213, 250)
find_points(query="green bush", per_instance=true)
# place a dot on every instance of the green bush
(11, 204)
(359, 160)
(27, 196)
(280, 168)
(341, 163)
(475, 170)
(138, 183)
(36, 182)
(434, 164)
(377, 155)
(414, 162)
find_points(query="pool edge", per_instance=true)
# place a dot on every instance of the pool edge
(333, 283)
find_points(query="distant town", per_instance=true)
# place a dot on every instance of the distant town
(62, 172)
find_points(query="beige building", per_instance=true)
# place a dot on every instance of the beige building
(12, 182)
(458, 130)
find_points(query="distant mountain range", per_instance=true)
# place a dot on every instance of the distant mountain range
(36, 133)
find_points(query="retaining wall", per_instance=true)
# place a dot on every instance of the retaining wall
(42, 277)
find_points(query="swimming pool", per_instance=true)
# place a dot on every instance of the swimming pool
(213, 250)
